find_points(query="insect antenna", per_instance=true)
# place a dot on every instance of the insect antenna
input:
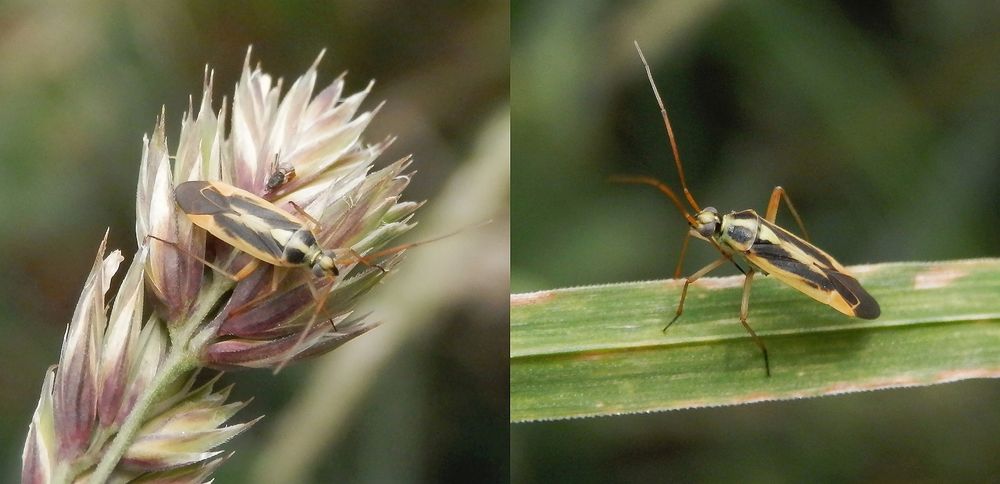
(659, 185)
(368, 258)
(670, 131)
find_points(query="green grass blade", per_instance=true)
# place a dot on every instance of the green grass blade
(600, 351)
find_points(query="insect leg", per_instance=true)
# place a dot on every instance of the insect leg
(247, 269)
(744, 312)
(687, 282)
(277, 273)
(315, 223)
(680, 260)
(777, 195)
(320, 303)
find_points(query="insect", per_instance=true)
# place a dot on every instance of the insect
(267, 233)
(259, 228)
(253, 225)
(755, 244)
(281, 173)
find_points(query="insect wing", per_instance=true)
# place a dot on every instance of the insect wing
(238, 217)
(811, 271)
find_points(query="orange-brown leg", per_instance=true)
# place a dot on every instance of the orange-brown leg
(680, 260)
(687, 282)
(320, 303)
(315, 223)
(744, 312)
(777, 195)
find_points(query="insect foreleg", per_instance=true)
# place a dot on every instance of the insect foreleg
(687, 282)
(745, 311)
(680, 260)
(777, 195)
(320, 303)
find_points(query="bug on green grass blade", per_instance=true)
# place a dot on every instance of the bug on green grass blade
(755, 244)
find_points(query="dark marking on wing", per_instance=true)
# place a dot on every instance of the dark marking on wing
(781, 259)
(199, 198)
(865, 306)
(811, 250)
(274, 218)
(231, 225)
(240, 218)
(827, 279)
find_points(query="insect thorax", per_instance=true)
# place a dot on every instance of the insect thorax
(301, 248)
(739, 230)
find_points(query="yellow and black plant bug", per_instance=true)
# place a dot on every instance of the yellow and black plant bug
(253, 225)
(281, 173)
(265, 232)
(756, 244)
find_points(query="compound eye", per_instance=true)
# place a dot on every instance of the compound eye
(708, 220)
(317, 270)
(325, 265)
(707, 229)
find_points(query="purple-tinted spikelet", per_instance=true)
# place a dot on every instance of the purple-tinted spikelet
(271, 318)
(125, 401)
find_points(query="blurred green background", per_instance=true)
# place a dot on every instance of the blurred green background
(81, 82)
(879, 118)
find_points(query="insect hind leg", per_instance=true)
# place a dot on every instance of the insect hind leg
(777, 195)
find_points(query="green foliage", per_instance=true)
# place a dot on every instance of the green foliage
(599, 350)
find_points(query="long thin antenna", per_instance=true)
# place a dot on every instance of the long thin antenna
(653, 182)
(670, 131)
(366, 259)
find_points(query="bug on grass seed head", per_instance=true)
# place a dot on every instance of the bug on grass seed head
(270, 235)
(253, 225)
